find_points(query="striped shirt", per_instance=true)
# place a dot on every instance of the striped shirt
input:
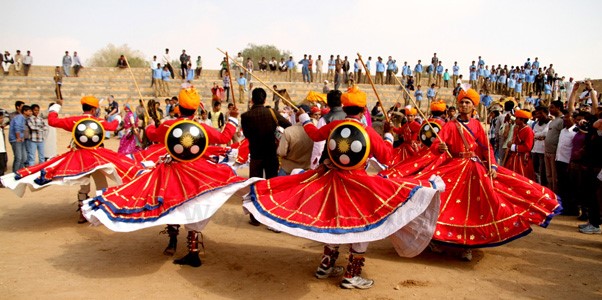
(37, 128)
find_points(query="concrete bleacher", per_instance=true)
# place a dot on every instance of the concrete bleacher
(39, 87)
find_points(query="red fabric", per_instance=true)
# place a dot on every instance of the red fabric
(380, 149)
(67, 123)
(325, 200)
(475, 210)
(80, 161)
(157, 134)
(243, 151)
(410, 146)
(520, 160)
(168, 185)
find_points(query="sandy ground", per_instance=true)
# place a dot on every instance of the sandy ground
(45, 254)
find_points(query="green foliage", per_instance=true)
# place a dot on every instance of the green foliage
(108, 56)
(256, 52)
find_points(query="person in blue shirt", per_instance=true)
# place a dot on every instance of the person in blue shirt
(290, 64)
(493, 79)
(439, 69)
(547, 91)
(472, 75)
(518, 89)
(418, 72)
(190, 73)
(418, 93)
(455, 72)
(501, 82)
(431, 93)
(357, 71)
(535, 64)
(481, 62)
(305, 69)
(511, 85)
(404, 71)
(242, 86)
(165, 79)
(484, 104)
(430, 70)
(380, 71)
(158, 80)
(16, 137)
(390, 70)
(528, 63)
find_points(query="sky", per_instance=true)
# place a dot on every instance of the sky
(567, 34)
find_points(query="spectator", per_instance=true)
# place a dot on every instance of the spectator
(67, 61)
(154, 64)
(242, 87)
(190, 70)
(563, 158)
(472, 78)
(18, 62)
(446, 79)
(58, 82)
(418, 96)
(368, 68)
(290, 65)
(27, 61)
(77, 64)
(158, 80)
(121, 62)
(331, 68)
(226, 81)
(295, 147)
(310, 68)
(223, 67)
(390, 70)
(431, 93)
(455, 72)
(325, 88)
(259, 125)
(16, 137)
(37, 132)
(217, 92)
(319, 64)
(346, 67)
(380, 70)
(249, 70)
(263, 65)
(551, 143)
(3, 156)
(218, 121)
(7, 62)
(199, 67)
(273, 64)
(540, 130)
(304, 69)
(439, 70)
(165, 79)
(418, 72)
(166, 62)
(184, 60)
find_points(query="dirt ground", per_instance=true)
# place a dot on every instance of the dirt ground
(45, 254)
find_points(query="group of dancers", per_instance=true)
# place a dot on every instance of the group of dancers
(445, 191)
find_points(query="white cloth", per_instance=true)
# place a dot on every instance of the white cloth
(539, 131)
(50, 147)
(565, 145)
(2, 141)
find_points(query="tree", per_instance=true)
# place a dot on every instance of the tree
(107, 57)
(256, 52)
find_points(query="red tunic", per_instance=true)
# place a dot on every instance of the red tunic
(80, 162)
(520, 160)
(155, 194)
(410, 146)
(475, 210)
(342, 206)
(423, 159)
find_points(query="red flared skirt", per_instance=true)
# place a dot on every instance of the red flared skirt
(521, 163)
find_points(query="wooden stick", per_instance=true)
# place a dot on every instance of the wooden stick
(291, 104)
(421, 113)
(146, 116)
(380, 103)
(230, 77)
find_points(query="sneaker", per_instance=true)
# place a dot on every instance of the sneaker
(357, 282)
(590, 229)
(581, 226)
(467, 255)
(335, 271)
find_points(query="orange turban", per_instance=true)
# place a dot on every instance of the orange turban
(189, 98)
(354, 97)
(470, 94)
(90, 100)
(411, 111)
(176, 110)
(523, 114)
(438, 105)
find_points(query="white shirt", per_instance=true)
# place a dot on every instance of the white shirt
(540, 131)
(565, 144)
(28, 60)
(154, 63)
(166, 59)
(2, 141)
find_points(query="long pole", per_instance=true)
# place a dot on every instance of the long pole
(420, 112)
(291, 104)
(380, 103)
(230, 77)
(146, 116)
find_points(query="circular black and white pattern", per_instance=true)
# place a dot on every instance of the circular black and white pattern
(427, 133)
(88, 133)
(186, 140)
(348, 145)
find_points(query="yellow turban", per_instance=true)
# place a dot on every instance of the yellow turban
(470, 94)
(90, 100)
(354, 97)
(189, 98)
(523, 114)
(411, 111)
(438, 105)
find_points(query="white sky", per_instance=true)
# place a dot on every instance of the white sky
(565, 33)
